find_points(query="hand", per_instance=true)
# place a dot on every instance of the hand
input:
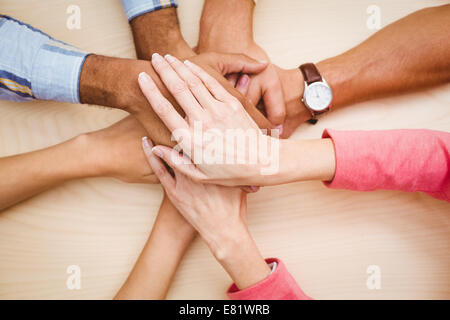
(265, 90)
(116, 152)
(222, 44)
(214, 211)
(292, 87)
(210, 109)
(220, 65)
(227, 26)
(218, 214)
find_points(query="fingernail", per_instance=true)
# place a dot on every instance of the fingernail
(254, 188)
(243, 80)
(188, 63)
(279, 128)
(146, 143)
(262, 61)
(157, 152)
(144, 77)
(156, 57)
(169, 58)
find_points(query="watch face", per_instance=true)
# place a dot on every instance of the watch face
(318, 96)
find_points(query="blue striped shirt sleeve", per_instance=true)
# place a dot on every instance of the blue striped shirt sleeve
(33, 65)
(135, 8)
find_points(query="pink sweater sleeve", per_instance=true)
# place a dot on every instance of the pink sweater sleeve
(279, 285)
(408, 160)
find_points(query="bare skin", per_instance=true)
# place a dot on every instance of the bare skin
(227, 26)
(26, 175)
(155, 268)
(399, 58)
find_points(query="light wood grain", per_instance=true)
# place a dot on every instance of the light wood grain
(327, 238)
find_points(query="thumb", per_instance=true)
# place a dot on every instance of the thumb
(239, 63)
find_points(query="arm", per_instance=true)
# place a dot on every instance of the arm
(218, 214)
(406, 160)
(88, 155)
(154, 270)
(279, 285)
(26, 175)
(113, 82)
(227, 26)
(159, 31)
(36, 66)
(410, 54)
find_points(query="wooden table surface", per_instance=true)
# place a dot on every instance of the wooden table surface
(327, 238)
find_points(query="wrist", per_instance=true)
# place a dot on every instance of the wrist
(159, 31)
(293, 85)
(293, 88)
(171, 222)
(223, 244)
(82, 162)
(100, 80)
(303, 160)
(340, 76)
(112, 82)
(240, 257)
(226, 26)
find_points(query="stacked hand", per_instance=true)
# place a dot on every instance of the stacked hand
(275, 91)
(213, 118)
(115, 152)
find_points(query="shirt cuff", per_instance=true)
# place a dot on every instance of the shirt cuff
(279, 285)
(135, 8)
(56, 72)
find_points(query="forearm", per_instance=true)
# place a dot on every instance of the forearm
(154, 270)
(36, 66)
(406, 160)
(303, 160)
(298, 160)
(159, 31)
(226, 26)
(112, 82)
(410, 54)
(26, 175)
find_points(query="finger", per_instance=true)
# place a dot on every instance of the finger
(212, 84)
(177, 87)
(274, 102)
(242, 84)
(196, 85)
(232, 78)
(254, 91)
(158, 166)
(239, 63)
(243, 209)
(162, 107)
(250, 189)
(178, 162)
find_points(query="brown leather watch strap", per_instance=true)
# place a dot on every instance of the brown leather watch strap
(310, 73)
